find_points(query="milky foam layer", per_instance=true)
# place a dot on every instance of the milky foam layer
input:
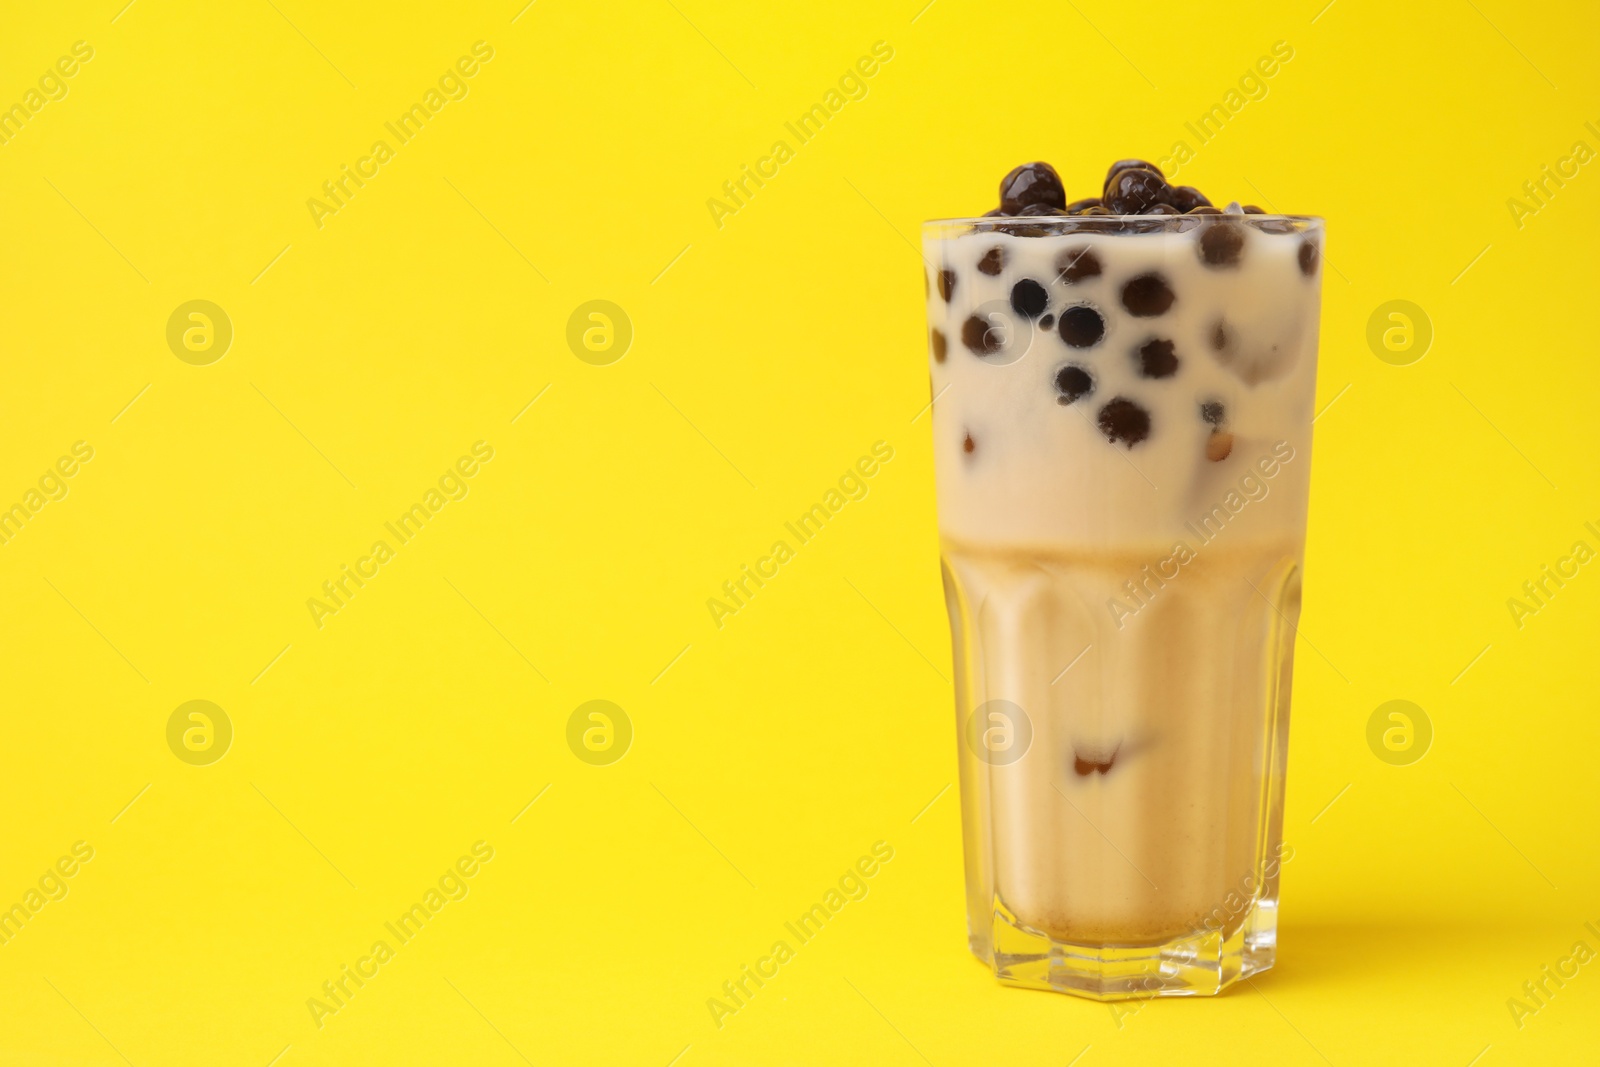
(1017, 467)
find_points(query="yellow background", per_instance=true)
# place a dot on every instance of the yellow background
(767, 356)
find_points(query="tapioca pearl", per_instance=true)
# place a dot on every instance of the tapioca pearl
(947, 284)
(1157, 358)
(1221, 245)
(1082, 326)
(1131, 164)
(1220, 336)
(1047, 322)
(940, 345)
(1031, 183)
(1029, 298)
(1123, 420)
(1309, 255)
(1074, 265)
(1085, 767)
(1073, 383)
(1213, 413)
(1079, 205)
(1147, 295)
(1186, 198)
(993, 261)
(1133, 190)
(1219, 445)
(968, 445)
(982, 338)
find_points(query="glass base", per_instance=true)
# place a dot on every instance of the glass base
(1202, 964)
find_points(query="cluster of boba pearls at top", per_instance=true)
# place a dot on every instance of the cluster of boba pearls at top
(1221, 240)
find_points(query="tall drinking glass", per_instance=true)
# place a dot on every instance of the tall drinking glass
(1122, 443)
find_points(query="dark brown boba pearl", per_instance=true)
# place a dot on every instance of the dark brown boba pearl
(1029, 298)
(1130, 164)
(1094, 209)
(1047, 322)
(1157, 359)
(939, 345)
(993, 260)
(1221, 245)
(1031, 183)
(1040, 209)
(992, 213)
(1219, 335)
(980, 337)
(1131, 191)
(1214, 413)
(1309, 254)
(1147, 295)
(1251, 209)
(1219, 446)
(1073, 265)
(1079, 205)
(1161, 209)
(1072, 384)
(1186, 198)
(1082, 326)
(947, 284)
(1085, 767)
(1123, 420)
(968, 445)
(1203, 209)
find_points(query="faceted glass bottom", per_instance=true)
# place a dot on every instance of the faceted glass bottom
(1203, 964)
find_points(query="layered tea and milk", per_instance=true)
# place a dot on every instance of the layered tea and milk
(1122, 420)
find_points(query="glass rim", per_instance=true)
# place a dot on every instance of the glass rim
(1056, 220)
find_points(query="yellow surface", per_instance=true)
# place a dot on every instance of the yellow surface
(371, 352)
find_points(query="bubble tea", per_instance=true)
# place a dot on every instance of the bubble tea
(1122, 431)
